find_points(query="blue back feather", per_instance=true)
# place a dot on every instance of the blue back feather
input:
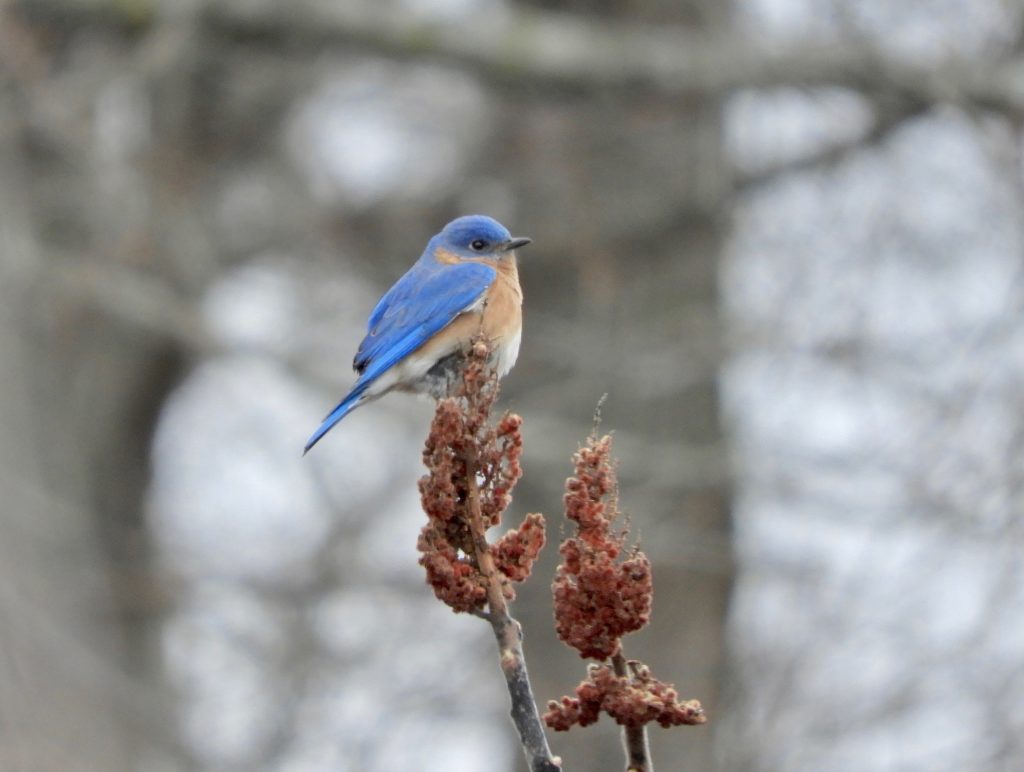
(421, 304)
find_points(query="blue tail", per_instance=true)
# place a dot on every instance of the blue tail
(346, 406)
(373, 371)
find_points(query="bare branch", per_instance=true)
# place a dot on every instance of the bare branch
(548, 49)
(568, 53)
(638, 751)
(473, 465)
(507, 634)
(830, 156)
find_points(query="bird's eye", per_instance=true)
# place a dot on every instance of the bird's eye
(477, 245)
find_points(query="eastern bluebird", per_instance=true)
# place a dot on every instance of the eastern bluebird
(465, 282)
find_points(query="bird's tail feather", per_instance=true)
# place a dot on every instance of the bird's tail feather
(346, 406)
(373, 371)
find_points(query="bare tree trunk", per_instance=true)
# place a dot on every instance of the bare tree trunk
(79, 391)
(65, 695)
(626, 206)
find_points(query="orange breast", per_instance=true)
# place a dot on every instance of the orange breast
(503, 313)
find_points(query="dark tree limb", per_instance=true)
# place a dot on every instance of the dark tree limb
(889, 120)
(564, 52)
(552, 49)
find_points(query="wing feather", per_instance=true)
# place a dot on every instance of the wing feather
(421, 304)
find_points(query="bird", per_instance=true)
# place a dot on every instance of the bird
(465, 283)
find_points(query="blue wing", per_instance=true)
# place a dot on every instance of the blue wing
(421, 304)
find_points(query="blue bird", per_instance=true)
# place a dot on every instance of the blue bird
(465, 282)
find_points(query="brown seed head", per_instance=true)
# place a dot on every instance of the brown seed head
(632, 700)
(598, 597)
(461, 431)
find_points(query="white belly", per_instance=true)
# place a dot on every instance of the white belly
(437, 370)
(506, 353)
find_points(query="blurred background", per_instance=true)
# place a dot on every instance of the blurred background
(784, 236)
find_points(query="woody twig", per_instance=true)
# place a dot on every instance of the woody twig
(472, 468)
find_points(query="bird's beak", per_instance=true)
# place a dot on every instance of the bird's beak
(515, 243)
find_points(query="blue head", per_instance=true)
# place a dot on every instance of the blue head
(475, 236)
